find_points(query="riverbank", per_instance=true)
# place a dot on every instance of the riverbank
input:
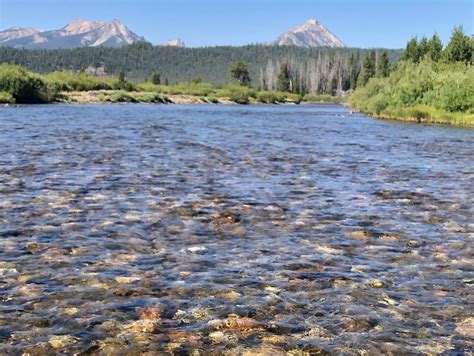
(114, 96)
(422, 114)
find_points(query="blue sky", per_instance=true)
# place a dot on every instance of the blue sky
(365, 23)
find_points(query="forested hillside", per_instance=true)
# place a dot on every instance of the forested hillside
(312, 70)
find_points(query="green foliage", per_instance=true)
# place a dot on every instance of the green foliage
(294, 98)
(412, 52)
(284, 79)
(435, 48)
(6, 98)
(267, 97)
(368, 68)
(118, 97)
(426, 90)
(155, 78)
(151, 98)
(460, 47)
(69, 81)
(354, 68)
(122, 83)
(240, 71)
(24, 86)
(237, 93)
(383, 65)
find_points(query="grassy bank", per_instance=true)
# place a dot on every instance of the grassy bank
(429, 84)
(18, 85)
(424, 92)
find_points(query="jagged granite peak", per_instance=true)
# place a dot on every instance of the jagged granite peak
(310, 34)
(17, 32)
(78, 33)
(177, 42)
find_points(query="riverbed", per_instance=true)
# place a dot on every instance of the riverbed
(259, 229)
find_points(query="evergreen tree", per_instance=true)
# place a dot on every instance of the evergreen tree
(383, 65)
(333, 87)
(155, 78)
(460, 46)
(239, 70)
(121, 77)
(412, 51)
(423, 48)
(435, 48)
(354, 69)
(284, 79)
(368, 69)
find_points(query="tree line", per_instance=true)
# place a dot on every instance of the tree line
(307, 70)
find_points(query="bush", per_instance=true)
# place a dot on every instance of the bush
(123, 85)
(118, 97)
(69, 81)
(267, 97)
(24, 86)
(238, 94)
(423, 91)
(6, 98)
(294, 98)
(151, 98)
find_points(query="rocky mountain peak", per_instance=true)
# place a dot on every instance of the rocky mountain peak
(78, 33)
(178, 42)
(310, 34)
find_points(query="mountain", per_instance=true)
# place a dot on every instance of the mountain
(311, 34)
(16, 32)
(78, 33)
(178, 42)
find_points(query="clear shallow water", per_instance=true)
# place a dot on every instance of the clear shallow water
(213, 228)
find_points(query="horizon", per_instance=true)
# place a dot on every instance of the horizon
(161, 21)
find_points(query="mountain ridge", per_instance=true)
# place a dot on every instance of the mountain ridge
(310, 34)
(78, 33)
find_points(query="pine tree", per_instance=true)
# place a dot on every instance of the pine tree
(156, 78)
(460, 46)
(368, 69)
(121, 77)
(435, 48)
(333, 86)
(239, 70)
(423, 48)
(284, 80)
(383, 65)
(412, 51)
(354, 69)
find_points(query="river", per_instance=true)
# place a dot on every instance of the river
(167, 228)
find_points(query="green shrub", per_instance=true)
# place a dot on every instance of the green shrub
(69, 81)
(267, 97)
(24, 86)
(123, 85)
(117, 97)
(236, 93)
(428, 90)
(151, 98)
(6, 98)
(294, 98)
(212, 100)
